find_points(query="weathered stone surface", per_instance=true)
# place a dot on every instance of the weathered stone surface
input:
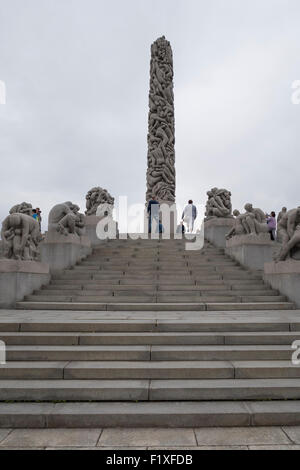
(19, 278)
(284, 276)
(161, 130)
(251, 250)
(216, 228)
(147, 437)
(23, 438)
(240, 436)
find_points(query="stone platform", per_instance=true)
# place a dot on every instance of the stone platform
(284, 276)
(216, 229)
(252, 251)
(19, 278)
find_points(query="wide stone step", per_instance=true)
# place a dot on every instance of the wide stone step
(148, 370)
(266, 295)
(87, 353)
(180, 369)
(116, 370)
(144, 338)
(220, 352)
(154, 306)
(149, 390)
(262, 323)
(225, 389)
(142, 353)
(146, 414)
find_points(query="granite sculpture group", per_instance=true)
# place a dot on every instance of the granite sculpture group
(21, 236)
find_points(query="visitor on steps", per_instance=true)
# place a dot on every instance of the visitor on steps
(189, 215)
(271, 221)
(153, 214)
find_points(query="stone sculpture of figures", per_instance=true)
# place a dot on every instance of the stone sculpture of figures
(62, 218)
(253, 222)
(288, 230)
(97, 196)
(20, 237)
(161, 129)
(238, 227)
(218, 203)
(23, 208)
(79, 220)
(281, 214)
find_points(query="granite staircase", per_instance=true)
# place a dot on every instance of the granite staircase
(147, 333)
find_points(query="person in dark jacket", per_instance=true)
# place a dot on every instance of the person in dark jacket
(153, 213)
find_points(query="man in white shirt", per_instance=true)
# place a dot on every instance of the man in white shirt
(189, 215)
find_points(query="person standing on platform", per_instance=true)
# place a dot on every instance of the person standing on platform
(189, 215)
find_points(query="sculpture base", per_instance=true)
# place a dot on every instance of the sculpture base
(252, 251)
(284, 276)
(91, 222)
(19, 278)
(63, 252)
(216, 229)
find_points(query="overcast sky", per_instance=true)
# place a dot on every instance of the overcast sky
(77, 78)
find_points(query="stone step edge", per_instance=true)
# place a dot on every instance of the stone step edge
(154, 414)
(201, 306)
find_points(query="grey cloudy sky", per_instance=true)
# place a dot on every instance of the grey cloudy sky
(77, 77)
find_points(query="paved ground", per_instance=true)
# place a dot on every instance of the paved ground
(265, 438)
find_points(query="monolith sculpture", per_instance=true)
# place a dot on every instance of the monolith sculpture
(161, 131)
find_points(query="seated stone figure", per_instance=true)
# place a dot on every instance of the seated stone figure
(62, 219)
(20, 236)
(218, 203)
(288, 230)
(97, 196)
(238, 227)
(254, 220)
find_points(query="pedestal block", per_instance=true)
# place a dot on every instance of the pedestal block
(252, 251)
(284, 276)
(216, 228)
(19, 278)
(62, 252)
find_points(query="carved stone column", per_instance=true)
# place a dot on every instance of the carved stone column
(161, 131)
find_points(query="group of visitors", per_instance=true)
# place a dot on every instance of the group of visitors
(188, 217)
